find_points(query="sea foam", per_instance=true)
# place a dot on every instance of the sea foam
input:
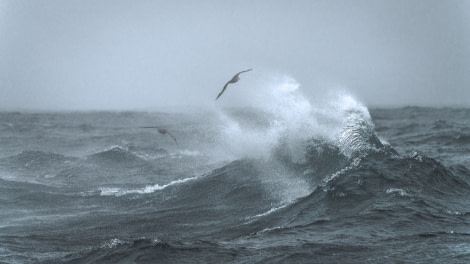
(114, 191)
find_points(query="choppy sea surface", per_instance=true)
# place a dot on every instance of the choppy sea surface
(285, 183)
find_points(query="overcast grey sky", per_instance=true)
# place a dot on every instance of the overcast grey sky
(115, 54)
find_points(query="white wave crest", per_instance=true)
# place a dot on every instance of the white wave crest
(270, 211)
(293, 120)
(400, 192)
(112, 243)
(114, 191)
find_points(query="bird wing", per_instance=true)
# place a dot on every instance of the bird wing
(173, 137)
(242, 72)
(163, 132)
(223, 90)
(233, 80)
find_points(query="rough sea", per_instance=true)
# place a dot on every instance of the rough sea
(283, 182)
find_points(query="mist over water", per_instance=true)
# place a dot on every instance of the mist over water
(291, 119)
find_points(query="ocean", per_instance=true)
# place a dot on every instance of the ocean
(287, 182)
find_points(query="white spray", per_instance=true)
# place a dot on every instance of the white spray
(293, 120)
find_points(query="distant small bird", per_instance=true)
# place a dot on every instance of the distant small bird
(163, 132)
(233, 80)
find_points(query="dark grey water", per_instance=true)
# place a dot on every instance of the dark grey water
(241, 186)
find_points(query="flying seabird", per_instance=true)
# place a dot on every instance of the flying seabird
(233, 80)
(163, 132)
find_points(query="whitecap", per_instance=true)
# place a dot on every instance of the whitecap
(268, 229)
(112, 243)
(270, 211)
(449, 212)
(398, 191)
(115, 191)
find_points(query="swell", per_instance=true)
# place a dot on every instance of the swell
(34, 161)
(380, 186)
(115, 157)
(114, 165)
(376, 196)
(368, 195)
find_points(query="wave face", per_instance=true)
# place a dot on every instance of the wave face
(285, 182)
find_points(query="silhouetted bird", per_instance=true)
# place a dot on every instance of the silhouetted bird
(233, 80)
(163, 132)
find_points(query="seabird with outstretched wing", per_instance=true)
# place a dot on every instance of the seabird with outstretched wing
(233, 80)
(163, 132)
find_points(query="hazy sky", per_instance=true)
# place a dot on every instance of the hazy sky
(114, 54)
